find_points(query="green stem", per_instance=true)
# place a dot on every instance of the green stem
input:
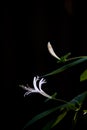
(60, 100)
(74, 58)
(65, 102)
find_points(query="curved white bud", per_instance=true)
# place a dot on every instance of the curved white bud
(51, 51)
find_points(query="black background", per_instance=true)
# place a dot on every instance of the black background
(27, 28)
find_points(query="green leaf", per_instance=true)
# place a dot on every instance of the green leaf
(64, 58)
(61, 69)
(76, 103)
(85, 111)
(83, 76)
(40, 116)
(59, 118)
(78, 100)
(75, 118)
(65, 108)
(48, 125)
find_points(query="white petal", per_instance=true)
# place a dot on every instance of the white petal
(45, 94)
(84, 113)
(42, 81)
(26, 88)
(27, 93)
(35, 83)
(51, 51)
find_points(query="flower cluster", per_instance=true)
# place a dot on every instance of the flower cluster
(37, 87)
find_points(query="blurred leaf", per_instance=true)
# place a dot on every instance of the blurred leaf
(71, 105)
(40, 116)
(83, 76)
(78, 100)
(85, 111)
(61, 69)
(75, 103)
(59, 118)
(75, 118)
(48, 125)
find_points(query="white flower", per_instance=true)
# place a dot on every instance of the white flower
(51, 51)
(84, 113)
(36, 89)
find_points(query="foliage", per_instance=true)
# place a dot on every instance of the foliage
(76, 105)
(83, 76)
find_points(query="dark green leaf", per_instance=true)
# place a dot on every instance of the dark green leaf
(48, 125)
(61, 69)
(75, 103)
(78, 100)
(41, 115)
(83, 76)
(59, 118)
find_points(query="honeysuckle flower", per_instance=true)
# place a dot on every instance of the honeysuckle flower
(51, 51)
(37, 87)
(84, 113)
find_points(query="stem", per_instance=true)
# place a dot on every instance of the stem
(60, 100)
(66, 102)
(74, 58)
